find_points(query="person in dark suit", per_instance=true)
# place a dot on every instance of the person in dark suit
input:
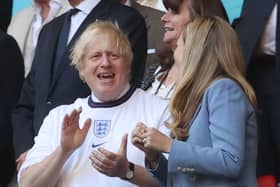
(47, 87)
(5, 13)
(11, 79)
(257, 33)
(154, 28)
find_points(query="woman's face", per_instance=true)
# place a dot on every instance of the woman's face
(174, 22)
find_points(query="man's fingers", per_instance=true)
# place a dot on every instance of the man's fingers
(74, 115)
(65, 121)
(86, 127)
(123, 147)
(97, 164)
(77, 114)
(100, 160)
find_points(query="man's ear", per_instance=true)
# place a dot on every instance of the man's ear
(80, 68)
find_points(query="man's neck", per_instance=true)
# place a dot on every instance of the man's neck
(42, 2)
(75, 3)
(45, 8)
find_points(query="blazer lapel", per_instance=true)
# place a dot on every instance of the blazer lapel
(52, 45)
(100, 12)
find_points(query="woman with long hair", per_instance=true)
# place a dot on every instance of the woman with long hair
(214, 131)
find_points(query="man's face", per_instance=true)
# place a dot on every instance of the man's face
(104, 69)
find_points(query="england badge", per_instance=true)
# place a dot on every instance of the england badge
(102, 128)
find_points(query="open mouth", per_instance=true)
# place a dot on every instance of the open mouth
(104, 76)
(168, 29)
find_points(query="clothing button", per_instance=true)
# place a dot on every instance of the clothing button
(49, 103)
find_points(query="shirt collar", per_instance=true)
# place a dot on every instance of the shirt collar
(126, 94)
(86, 6)
(95, 99)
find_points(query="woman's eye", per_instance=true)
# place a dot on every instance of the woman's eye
(171, 11)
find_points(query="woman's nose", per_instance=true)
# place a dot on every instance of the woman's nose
(165, 16)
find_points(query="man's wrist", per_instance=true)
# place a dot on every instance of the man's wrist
(129, 174)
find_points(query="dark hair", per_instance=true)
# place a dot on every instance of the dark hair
(166, 59)
(199, 7)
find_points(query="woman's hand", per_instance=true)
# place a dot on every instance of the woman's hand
(137, 139)
(153, 139)
(72, 136)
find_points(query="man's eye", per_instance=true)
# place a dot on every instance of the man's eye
(95, 56)
(115, 56)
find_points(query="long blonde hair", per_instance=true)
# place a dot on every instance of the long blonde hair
(211, 51)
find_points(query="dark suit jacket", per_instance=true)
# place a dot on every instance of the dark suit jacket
(264, 75)
(11, 79)
(155, 30)
(5, 13)
(40, 94)
(251, 24)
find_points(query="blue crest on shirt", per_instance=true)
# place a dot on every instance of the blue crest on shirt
(102, 128)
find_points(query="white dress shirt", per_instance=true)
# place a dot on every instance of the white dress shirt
(85, 8)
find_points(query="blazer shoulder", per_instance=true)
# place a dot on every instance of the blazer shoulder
(223, 83)
(220, 86)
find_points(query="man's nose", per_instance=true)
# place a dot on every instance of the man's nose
(105, 60)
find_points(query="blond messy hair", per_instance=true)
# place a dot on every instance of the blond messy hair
(93, 31)
(211, 51)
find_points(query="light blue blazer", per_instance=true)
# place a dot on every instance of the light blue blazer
(222, 145)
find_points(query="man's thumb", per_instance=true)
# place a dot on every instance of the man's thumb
(123, 147)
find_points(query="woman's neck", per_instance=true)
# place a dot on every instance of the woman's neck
(171, 76)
